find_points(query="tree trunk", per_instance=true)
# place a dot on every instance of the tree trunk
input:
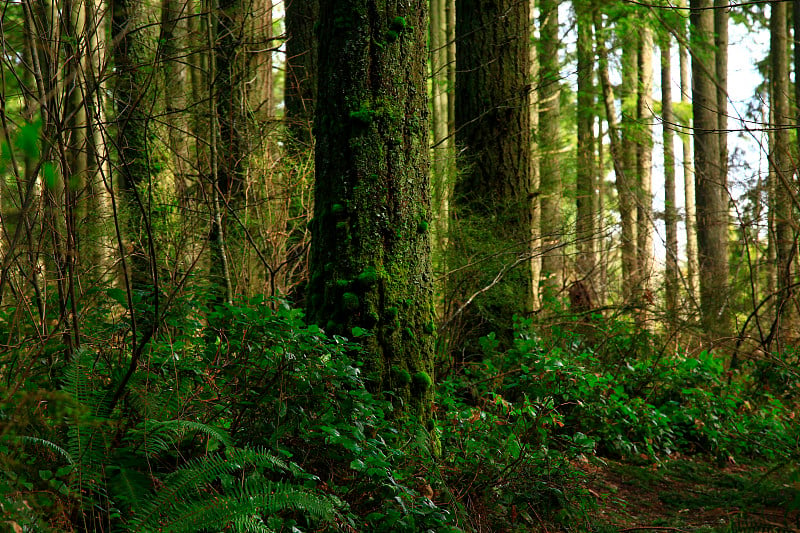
(711, 182)
(492, 196)
(301, 71)
(672, 274)
(627, 182)
(134, 95)
(549, 141)
(370, 256)
(644, 163)
(586, 173)
(780, 157)
(690, 216)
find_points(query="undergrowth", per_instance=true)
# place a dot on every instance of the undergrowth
(242, 418)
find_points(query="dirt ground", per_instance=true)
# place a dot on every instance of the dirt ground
(692, 495)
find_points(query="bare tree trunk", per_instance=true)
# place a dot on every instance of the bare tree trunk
(586, 173)
(781, 162)
(644, 165)
(672, 274)
(690, 216)
(550, 185)
(711, 182)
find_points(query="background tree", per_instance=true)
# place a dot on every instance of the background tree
(711, 181)
(549, 144)
(492, 206)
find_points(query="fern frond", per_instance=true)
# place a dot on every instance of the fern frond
(250, 524)
(200, 472)
(158, 437)
(53, 447)
(217, 512)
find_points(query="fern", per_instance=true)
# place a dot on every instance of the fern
(158, 437)
(188, 503)
(53, 447)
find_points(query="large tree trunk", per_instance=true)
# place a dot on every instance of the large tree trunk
(549, 141)
(370, 256)
(492, 197)
(711, 181)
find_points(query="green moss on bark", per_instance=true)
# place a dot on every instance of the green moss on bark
(372, 158)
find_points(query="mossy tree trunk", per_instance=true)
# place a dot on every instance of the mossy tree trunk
(492, 208)
(370, 247)
(134, 97)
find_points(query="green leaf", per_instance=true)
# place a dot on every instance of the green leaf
(359, 332)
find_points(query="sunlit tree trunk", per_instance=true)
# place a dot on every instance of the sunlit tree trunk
(370, 256)
(586, 173)
(549, 144)
(711, 182)
(690, 215)
(644, 162)
(785, 189)
(627, 181)
(672, 274)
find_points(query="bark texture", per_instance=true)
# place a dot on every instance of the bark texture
(492, 196)
(370, 265)
(711, 181)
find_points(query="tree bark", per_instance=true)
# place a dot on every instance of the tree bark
(550, 182)
(711, 182)
(586, 173)
(492, 197)
(644, 162)
(785, 190)
(370, 255)
(672, 273)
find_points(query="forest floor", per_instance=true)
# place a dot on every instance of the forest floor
(690, 495)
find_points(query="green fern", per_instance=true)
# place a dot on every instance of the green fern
(187, 502)
(157, 437)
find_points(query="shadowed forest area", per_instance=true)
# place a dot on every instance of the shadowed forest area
(399, 266)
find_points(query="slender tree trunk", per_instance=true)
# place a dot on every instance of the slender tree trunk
(628, 181)
(370, 256)
(442, 153)
(784, 220)
(644, 163)
(672, 274)
(711, 183)
(550, 183)
(536, 219)
(690, 216)
(586, 173)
